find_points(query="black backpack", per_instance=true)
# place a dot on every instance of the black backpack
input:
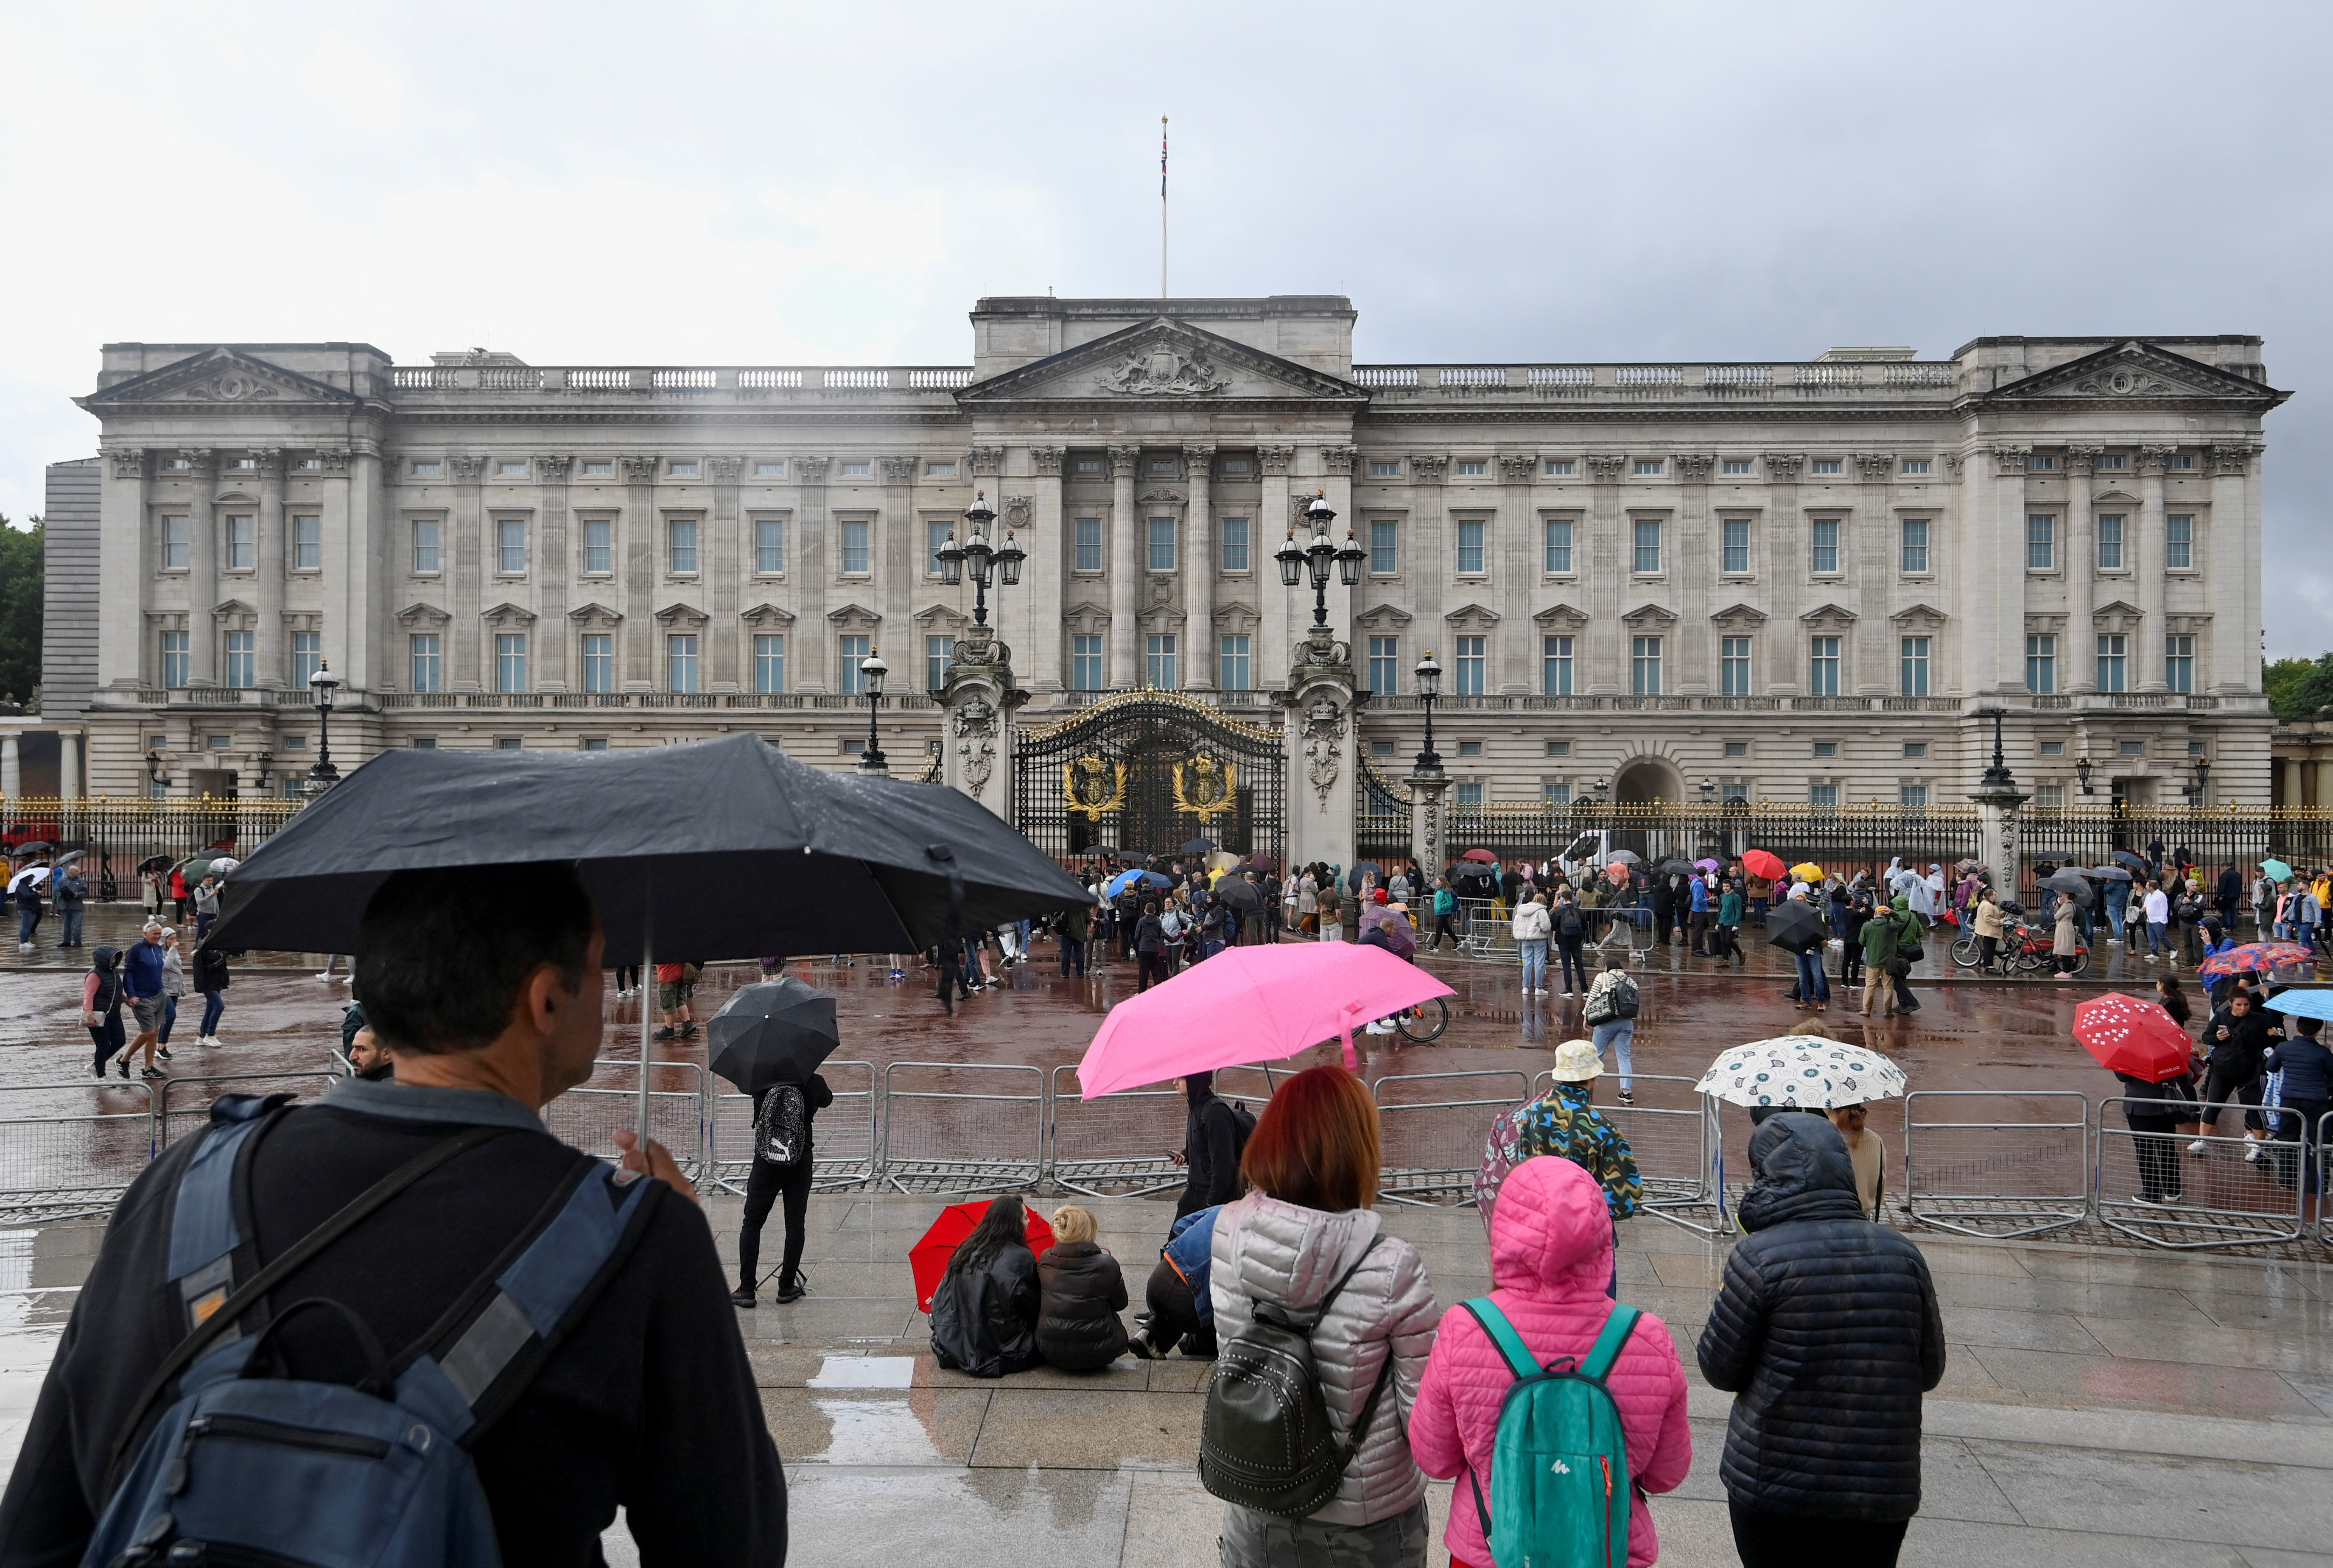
(1264, 1440)
(1571, 924)
(1242, 1124)
(782, 1126)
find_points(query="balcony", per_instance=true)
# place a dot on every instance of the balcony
(648, 702)
(421, 388)
(1928, 383)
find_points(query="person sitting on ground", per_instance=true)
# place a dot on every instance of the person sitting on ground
(1308, 1226)
(1551, 1240)
(1182, 1312)
(1828, 1333)
(985, 1311)
(1080, 1294)
(1564, 1123)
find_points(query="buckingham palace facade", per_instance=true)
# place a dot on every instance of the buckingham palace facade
(1800, 581)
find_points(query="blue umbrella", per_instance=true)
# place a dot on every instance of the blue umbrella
(2316, 1003)
(1125, 879)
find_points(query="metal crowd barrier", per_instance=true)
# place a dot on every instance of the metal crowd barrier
(844, 1147)
(54, 1166)
(1433, 1128)
(588, 1118)
(1489, 936)
(2217, 1201)
(183, 1105)
(1121, 1143)
(927, 1132)
(1670, 1140)
(1998, 1178)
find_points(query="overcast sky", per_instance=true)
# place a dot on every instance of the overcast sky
(705, 182)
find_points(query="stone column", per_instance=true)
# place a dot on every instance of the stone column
(1048, 546)
(1518, 573)
(1870, 551)
(2321, 776)
(1606, 578)
(977, 701)
(2233, 573)
(357, 518)
(2289, 796)
(555, 571)
(270, 667)
(69, 743)
(809, 571)
(1321, 747)
(129, 550)
(1268, 529)
(899, 552)
(470, 663)
(1429, 561)
(11, 772)
(724, 575)
(2146, 552)
(1425, 839)
(2082, 564)
(1199, 568)
(1999, 591)
(636, 665)
(1782, 652)
(1126, 570)
(201, 571)
(1693, 566)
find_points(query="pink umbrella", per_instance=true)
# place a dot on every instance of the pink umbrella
(1248, 1005)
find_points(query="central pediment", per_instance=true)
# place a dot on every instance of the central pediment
(2137, 371)
(1163, 360)
(220, 377)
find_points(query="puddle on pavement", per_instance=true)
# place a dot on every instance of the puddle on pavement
(865, 1372)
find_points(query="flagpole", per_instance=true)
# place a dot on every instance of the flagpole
(1162, 207)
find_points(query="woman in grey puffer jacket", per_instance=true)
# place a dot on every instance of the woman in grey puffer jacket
(1312, 1162)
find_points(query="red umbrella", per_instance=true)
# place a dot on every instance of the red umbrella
(1765, 863)
(1484, 856)
(2134, 1038)
(929, 1257)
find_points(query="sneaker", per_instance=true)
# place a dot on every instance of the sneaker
(151, 1072)
(163, 1052)
(2150, 957)
(790, 1293)
(2062, 975)
(2143, 1201)
(100, 1069)
(323, 974)
(665, 1033)
(688, 1031)
(2252, 1152)
(741, 1296)
(898, 974)
(1627, 1098)
(1567, 993)
(2198, 1147)
(124, 1065)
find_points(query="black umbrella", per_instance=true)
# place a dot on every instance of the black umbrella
(1238, 893)
(1793, 926)
(31, 849)
(775, 1032)
(2136, 862)
(1674, 867)
(1199, 846)
(155, 863)
(1364, 868)
(2073, 884)
(2109, 874)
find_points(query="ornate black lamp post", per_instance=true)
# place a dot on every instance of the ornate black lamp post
(1429, 687)
(154, 774)
(1998, 776)
(1320, 556)
(2195, 792)
(266, 764)
(2082, 769)
(983, 558)
(323, 685)
(872, 671)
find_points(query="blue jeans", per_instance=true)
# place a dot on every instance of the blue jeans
(1621, 1033)
(213, 1005)
(71, 914)
(2157, 942)
(169, 1017)
(1814, 985)
(1534, 951)
(2116, 911)
(28, 919)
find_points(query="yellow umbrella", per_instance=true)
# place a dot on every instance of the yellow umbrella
(1807, 871)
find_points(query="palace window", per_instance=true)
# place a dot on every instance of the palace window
(1234, 676)
(936, 537)
(1559, 546)
(769, 662)
(1914, 466)
(1734, 666)
(1823, 465)
(683, 541)
(1913, 797)
(2040, 543)
(510, 470)
(1085, 664)
(1555, 794)
(769, 545)
(2109, 461)
(599, 662)
(1385, 546)
(427, 470)
(592, 469)
(1470, 546)
(939, 648)
(1470, 748)
(2183, 460)
(175, 659)
(595, 743)
(680, 663)
(1385, 469)
(1737, 747)
(2179, 662)
(853, 652)
(1238, 465)
(1555, 666)
(1471, 664)
(242, 543)
(2053, 747)
(1646, 561)
(684, 470)
(2040, 665)
(1915, 545)
(1822, 672)
(1913, 658)
(1385, 665)
(1468, 795)
(510, 546)
(1559, 468)
(1091, 466)
(1235, 552)
(858, 549)
(1474, 467)
(175, 543)
(1162, 465)
(1824, 749)
(1162, 544)
(307, 544)
(2049, 797)
(1558, 748)
(2039, 463)
(2110, 541)
(241, 662)
(855, 470)
(939, 471)
(1823, 797)
(2114, 662)
(428, 669)
(1734, 466)
(510, 662)
(1086, 536)
(1648, 467)
(509, 744)
(599, 546)
(307, 657)
(1645, 666)
(1733, 545)
(2179, 541)
(1158, 661)
(1822, 553)
(1916, 749)
(769, 471)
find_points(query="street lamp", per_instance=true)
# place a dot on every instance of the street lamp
(265, 761)
(1996, 777)
(871, 671)
(2202, 778)
(323, 685)
(153, 769)
(2083, 773)
(1319, 556)
(983, 558)
(1429, 687)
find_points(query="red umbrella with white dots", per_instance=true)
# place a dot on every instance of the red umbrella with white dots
(2133, 1037)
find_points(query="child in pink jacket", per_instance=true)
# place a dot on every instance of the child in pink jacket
(1550, 1258)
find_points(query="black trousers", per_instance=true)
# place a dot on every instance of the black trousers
(1174, 1314)
(109, 1039)
(2300, 1119)
(1441, 928)
(1073, 955)
(763, 1187)
(1795, 1540)
(1149, 967)
(2158, 1152)
(1574, 967)
(952, 974)
(2220, 1088)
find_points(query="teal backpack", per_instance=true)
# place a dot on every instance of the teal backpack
(1560, 1468)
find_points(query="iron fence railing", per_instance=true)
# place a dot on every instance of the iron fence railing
(116, 836)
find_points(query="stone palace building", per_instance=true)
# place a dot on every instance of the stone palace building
(1796, 582)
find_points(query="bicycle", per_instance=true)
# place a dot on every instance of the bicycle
(1423, 1023)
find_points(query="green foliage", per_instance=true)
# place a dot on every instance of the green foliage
(2297, 688)
(20, 609)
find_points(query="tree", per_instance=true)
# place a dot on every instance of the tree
(20, 609)
(2297, 688)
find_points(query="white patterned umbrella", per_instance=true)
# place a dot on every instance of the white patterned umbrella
(1803, 1070)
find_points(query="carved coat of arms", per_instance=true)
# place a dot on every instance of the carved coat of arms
(1204, 787)
(1093, 785)
(1162, 370)
(1324, 745)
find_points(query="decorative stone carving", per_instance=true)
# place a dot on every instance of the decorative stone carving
(595, 617)
(1337, 459)
(896, 470)
(1273, 459)
(2128, 381)
(811, 470)
(856, 620)
(1163, 369)
(1165, 495)
(639, 470)
(1648, 616)
(987, 461)
(1783, 467)
(1124, 462)
(2081, 461)
(681, 614)
(234, 616)
(975, 723)
(128, 461)
(1324, 745)
(1198, 458)
(1016, 511)
(199, 461)
(1048, 460)
(1605, 467)
(2232, 459)
(1951, 461)
(506, 617)
(768, 617)
(268, 460)
(233, 384)
(1828, 617)
(726, 470)
(425, 616)
(1428, 468)
(336, 463)
(1518, 469)
(1561, 619)
(1694, 467)
(551, 470)
(1738, 618)
(469, 470)
(1919, 618)
(2008, 461)
(1875, 466)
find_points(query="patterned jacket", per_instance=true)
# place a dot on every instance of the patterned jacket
(1563, 1123)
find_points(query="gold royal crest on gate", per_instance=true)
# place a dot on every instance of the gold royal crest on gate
(1092, 785)
(1203, 785)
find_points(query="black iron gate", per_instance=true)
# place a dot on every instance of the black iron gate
(1145, 772)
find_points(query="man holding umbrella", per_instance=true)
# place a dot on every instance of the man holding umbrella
(768, 1039)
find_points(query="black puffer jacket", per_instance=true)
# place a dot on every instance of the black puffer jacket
(1079, 1329)
(983, 1319)
(1826, 1331)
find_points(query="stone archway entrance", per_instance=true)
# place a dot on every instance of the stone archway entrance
(1648, 781)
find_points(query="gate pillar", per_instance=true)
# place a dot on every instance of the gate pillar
(1997, 798)
(1321, 699)
(976, 737)
(1425, 839)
